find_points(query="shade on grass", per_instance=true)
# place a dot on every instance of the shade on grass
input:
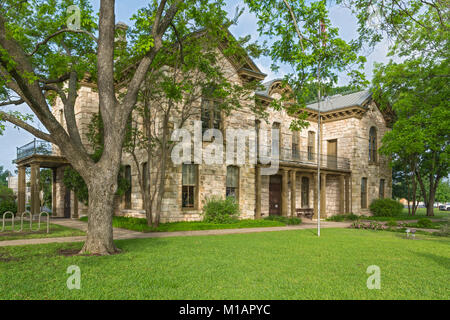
(269, 265)
(55, 231)
(139, 224)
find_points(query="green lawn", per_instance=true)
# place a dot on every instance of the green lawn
(138, 224)
(273, 265)
(55, 232)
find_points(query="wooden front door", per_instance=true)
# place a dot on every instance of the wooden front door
(275, 195)
(332, 154)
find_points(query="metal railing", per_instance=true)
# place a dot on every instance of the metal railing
(294, 156)
(34, 147)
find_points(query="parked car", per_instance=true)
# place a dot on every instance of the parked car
(444, 207)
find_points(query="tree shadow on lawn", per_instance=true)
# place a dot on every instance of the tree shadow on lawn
(443, 261)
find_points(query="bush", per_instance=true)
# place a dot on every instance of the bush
(343, 217)
(392, 223)
(218, 210)
(7, 206)
(424, 223)
(386, 208)
(285, 220)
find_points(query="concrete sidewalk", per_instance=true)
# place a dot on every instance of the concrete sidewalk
(120, 234)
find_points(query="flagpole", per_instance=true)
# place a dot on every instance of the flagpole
(321, 25)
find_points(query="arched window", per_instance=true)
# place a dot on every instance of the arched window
(373, 145)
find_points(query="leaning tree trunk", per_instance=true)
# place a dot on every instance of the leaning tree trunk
(101, 210)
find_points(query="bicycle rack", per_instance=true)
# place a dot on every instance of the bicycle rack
(3, 221)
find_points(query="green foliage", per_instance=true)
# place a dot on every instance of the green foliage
(424, 223)
(392, 223)
(305, 56)
(45, 184)
(6, 194)
(8, 206)
(343, 217)
(285, 220)
(217, 210)
(4, 174)
(386, 208)
(443, 192)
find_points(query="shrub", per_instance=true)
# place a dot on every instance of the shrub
(386, 208)
(285, 220)
(424, 223)
(369, 226)
(7, 206)
(343, 217)
(444, 231)
(392, 223)
(218, 210)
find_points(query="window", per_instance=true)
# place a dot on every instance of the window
(211, 115)
(311, 143)
(128, 192)
(276, 145)
(305, 192)
(364, 193)
(381, 189)
(373, 145)
(232, 182)
(295, 145)
(189, 182)
(257, 128)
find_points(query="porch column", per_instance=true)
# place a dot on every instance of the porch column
(350, 198)
(316, 196)
(258, 192)
(341, 194)
(347, 194)
(323, 195)
(22, 190)
(284, 193)
(293, 193)
(34, 183)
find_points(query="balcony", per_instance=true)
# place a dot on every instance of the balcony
(35, 147)
(296, 157)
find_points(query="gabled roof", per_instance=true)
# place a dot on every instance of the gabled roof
(339, 101)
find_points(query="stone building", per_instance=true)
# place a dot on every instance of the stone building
(352, 172)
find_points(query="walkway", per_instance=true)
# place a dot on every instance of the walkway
(120, 234)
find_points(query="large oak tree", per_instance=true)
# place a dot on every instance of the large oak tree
(43, 56)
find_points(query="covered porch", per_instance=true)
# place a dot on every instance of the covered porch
(36, 155)
(293, 189)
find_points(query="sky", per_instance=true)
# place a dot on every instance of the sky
(340, 17)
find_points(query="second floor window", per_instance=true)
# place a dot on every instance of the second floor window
(295, 145)
(311, 143)
(211, 115)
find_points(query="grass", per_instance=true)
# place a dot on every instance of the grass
(269, 265)
(139, 224)
(55, 232)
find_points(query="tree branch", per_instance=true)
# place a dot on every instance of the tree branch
(58, 33)
(22, 124)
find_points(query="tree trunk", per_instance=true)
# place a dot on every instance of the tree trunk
(101, 210)
(430, 204)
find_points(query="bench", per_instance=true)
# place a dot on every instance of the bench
(306, 212)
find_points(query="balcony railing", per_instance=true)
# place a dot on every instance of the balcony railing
(34, 147)
(288, 155)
